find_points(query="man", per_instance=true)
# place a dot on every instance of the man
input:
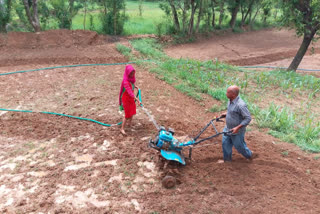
(237, 118)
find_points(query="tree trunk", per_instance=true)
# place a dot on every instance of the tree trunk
(213, 14)
(105, 10)
(199, 17)
(115, 17)
(221, 13)
(85, 14)
(255, 15)
(71, 4)
(175, 16)
(234, 14)
(193, 11)
(307, 38)
(184, 15)
(244, 18)
(34, 18)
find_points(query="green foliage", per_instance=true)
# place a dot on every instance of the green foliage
(186, 89)
(276, 118)
(287, 80)
(302, 15)
(5, 11)
(219, 94)
(148, 48)
(44, 14)
(91, 23)
(126, 51)
(283, 124)
(21, 24)
(64, 11)
(112, 18)
(218, 108)
(150, 21)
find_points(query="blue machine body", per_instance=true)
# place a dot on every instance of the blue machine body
(171, 149)
(174, 156)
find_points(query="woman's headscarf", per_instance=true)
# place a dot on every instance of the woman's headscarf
(126, 77)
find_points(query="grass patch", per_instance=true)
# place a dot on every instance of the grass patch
(218, 108)
(126, 51)
(149, 48)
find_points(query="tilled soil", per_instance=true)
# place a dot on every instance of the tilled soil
(54, 164)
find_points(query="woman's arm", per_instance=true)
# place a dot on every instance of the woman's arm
(128, 88)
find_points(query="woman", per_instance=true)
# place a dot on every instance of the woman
(126, 96)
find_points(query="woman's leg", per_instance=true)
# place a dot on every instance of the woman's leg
(124, 121)
(129, 121)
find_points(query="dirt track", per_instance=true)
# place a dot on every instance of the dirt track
(60, 165)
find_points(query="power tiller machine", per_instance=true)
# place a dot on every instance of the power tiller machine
(170, 147)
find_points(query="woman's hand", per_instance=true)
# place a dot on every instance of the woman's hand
(138, 101)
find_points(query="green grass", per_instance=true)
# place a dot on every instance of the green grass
(288, 80)
(195, 78)
(123, 49)
(152, 16)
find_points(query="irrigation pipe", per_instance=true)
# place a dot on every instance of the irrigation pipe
(274, 67)
(68, 66)
(64, 115)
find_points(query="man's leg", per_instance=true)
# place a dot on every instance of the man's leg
(227, 148)
(241, 146)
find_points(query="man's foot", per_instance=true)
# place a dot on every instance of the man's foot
(123, 132)
(253, 156)
(224, 161)
(220, 161)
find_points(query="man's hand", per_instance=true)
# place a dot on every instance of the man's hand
(236, 129)
(223, 115)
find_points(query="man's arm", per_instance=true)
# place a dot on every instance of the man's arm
(247, 118)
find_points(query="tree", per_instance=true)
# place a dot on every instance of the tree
(5, 8)
(234, 8)
(64, 11)
(304, 16)
(246, 9)
(221, 9)
(267, 6)
(140, 7)
(112, 18)
(194, 5)
(31, 8)
(85, 13)
(175, 16)
(199, 15)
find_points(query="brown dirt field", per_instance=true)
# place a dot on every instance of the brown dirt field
(53, 164)
(249, 48)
